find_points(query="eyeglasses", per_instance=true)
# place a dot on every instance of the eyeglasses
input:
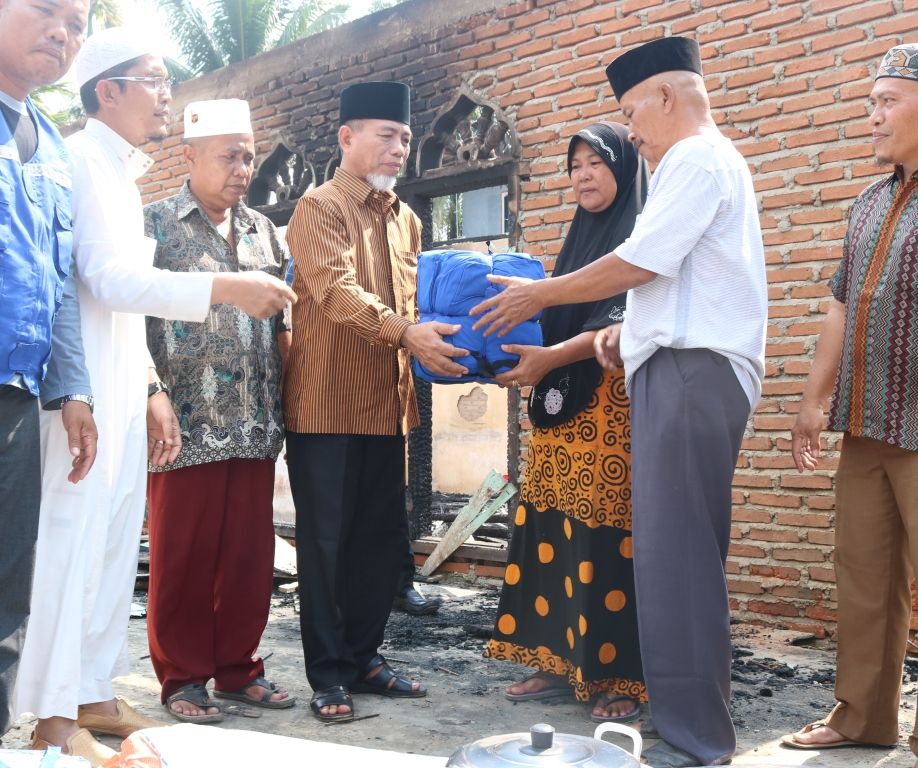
(161, 84)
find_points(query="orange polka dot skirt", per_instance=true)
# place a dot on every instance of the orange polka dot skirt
(567, 604)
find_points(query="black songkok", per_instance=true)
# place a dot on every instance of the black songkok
(376, 101)
(665, 55)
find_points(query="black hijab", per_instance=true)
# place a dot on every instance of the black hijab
(566, 391)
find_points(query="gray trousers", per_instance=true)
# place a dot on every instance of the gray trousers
(688, 413)
(20, 494)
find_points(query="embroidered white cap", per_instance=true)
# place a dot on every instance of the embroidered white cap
(108, 48)
(217, 117)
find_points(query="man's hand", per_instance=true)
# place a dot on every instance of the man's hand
(606, 345)
(805, 436)
(256, 293)
(164, 438)
(82, 438)
(425, 342)
(531, 368)
(516, 303)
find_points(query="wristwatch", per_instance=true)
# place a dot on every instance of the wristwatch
(80, 399)
(155, 387)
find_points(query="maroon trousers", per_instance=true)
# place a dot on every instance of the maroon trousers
(211, 570)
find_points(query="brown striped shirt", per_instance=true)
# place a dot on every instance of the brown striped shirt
(356, 254)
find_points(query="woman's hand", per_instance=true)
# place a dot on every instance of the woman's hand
(606, 346)
(533, 365)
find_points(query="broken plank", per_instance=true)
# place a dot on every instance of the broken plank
(491, 496)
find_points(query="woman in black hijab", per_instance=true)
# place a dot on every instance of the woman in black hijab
(567, 605)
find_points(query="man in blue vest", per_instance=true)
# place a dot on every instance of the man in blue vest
(38, 40)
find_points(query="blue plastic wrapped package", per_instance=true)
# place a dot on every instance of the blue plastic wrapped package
(450, 283)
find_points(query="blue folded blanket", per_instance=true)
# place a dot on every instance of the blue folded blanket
(450, 283)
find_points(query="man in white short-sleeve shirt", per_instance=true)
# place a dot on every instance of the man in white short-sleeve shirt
(693, 345)
(699, 233)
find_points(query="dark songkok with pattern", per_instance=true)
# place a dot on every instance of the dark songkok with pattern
(900, 61)
(376, 100)
(665, 55)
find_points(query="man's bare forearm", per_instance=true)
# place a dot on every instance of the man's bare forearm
(605, 277)
(821, 381)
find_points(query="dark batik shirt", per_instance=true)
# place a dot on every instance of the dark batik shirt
(876, 392)
(223, 375)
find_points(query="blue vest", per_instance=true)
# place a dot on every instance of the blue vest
(35, 243)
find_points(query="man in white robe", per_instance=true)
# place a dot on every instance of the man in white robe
(88, 537)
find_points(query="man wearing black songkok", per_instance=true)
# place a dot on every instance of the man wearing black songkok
(349, 398)
(693, 345)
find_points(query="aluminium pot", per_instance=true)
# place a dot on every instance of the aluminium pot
(544, 748)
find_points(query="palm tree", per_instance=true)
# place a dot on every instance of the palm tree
(233, 30)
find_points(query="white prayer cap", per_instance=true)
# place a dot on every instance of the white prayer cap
(218, 117)
(108, 48)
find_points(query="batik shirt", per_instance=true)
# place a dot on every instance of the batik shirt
(223, 375)
(876, 392)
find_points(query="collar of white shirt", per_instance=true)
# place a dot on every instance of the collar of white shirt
(136, 163)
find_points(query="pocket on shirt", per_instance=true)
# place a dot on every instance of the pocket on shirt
(63, 237)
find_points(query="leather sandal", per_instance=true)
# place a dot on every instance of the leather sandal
(386, 683)
(329, 697)
(240, 694)
(196, 694)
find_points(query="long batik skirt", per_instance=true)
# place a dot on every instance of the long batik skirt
(567, 606)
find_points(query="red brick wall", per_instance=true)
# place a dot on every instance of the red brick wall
(788, 81)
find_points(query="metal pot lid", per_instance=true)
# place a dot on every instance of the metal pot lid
(541, 747)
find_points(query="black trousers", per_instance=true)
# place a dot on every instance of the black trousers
(351, 529)
(20, 498)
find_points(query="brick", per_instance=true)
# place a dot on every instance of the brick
(818, 573)
(775, 571)
(537, 19)
(842, 191)
(867, 51)
(605, 12)
(670, 10)
(694, 22)
(746, 515)
(866, 12)
(745, 42)
(799, 555)
(804, 520)
(773, 608)
(816, 216)
(777, 535)
(838, 76)
(774, 499)
(899, 24)
(819, 177)
(808, 102)
(744, 586)
(745, 550)
(778, 53)
(825, 538)
(806, 481)
(805, 29)
(808, 138)
(777, 18)
(839, 114)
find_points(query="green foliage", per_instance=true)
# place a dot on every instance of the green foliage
(233, 30)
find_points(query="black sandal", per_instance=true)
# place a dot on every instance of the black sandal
(386, 683)
(328, 697)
